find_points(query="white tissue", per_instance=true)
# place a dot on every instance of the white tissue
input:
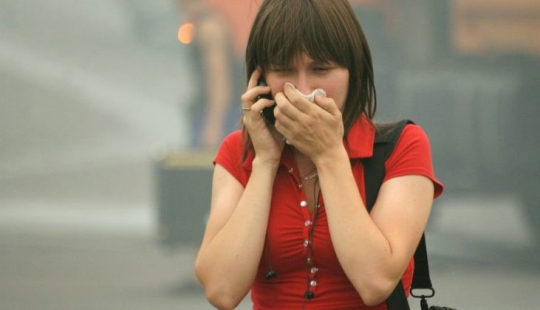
(311, 97)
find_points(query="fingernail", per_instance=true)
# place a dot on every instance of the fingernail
(320, 93)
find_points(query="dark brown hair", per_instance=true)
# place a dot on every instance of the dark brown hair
(326, 30)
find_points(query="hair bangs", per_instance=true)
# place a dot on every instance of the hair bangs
(294, 29)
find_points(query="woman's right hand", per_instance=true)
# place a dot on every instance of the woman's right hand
(267, 142)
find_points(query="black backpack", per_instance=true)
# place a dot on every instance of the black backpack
(374, 172)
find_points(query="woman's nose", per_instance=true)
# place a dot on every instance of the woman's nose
(302, 83)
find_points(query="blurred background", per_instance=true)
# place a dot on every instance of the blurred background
(109, 122)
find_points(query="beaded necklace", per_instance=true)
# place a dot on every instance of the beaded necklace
(311, 269)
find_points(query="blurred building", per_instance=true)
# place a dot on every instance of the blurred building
(467, 71)
(483, 27)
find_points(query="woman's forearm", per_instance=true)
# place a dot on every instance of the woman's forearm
(228, 264)
(364, 252)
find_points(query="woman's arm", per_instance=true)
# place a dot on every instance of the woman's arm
(374, 249)
(232, 246)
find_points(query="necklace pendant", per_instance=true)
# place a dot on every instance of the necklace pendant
(310, 176)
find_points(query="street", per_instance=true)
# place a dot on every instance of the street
(102, 266)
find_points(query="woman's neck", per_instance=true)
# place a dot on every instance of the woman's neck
(304, 163)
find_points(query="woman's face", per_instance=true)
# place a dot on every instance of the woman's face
(308, 75)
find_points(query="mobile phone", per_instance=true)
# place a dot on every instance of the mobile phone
(267, 113)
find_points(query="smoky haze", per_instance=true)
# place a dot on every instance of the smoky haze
(96, 109)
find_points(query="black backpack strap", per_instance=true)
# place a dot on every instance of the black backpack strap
(374, 172)
(421, 278)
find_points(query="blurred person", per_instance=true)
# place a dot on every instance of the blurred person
(239, 15)
(288, 219)
(218, 73)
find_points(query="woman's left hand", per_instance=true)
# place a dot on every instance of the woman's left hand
(313, 128)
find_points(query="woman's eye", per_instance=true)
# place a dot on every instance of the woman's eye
(321, 69)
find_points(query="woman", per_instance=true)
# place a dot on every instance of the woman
(217, 74)
(288, 219)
